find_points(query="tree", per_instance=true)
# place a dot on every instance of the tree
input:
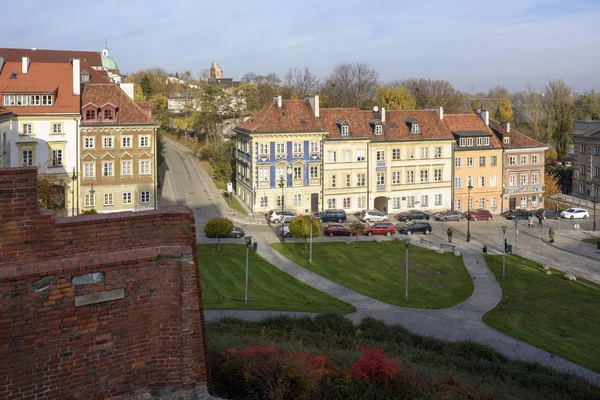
(551, 184)
(266, 87)
(504, 112)
(357, 228)
(51, 193)
(300, 227)
(395, 98)
(145, 86)
(160, 109)
(300, 82)
(351, 85)
(535, 114)
(587, 106)
(218, 228)
(558, 106)
(430, 92)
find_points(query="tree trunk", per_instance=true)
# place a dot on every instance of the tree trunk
(305, 239)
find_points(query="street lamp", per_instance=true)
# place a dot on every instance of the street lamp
(469, 212)
(74, 179)
(282, 185)
(311, 229)
(406, 242)
(504, 252)
(248, 244)
(594, 192)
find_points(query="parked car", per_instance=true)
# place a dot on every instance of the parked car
(337, 230)
(568, 164)
(286, 231)
(373, 216)
(520, 214)
(380, 228)
(449, 216)
(480, 214)
(235, 233)
(573, 213)
(275, 216)
(413, 215)
(413, 227)
(548, 213)
(332, 215)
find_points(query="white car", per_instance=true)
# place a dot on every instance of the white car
(572, 213)
(373, 216)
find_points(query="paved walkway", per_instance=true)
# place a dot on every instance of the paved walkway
(462, 322)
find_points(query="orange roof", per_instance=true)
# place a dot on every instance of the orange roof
(51, 56)
(4, 111)
(332, 118)
(42, 76)
(470, 122)
(100, 94)
(517, 139)
(430, 125)
(293, 116)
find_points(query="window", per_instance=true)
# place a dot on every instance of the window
(523, 202)
(331, 203)
(333, 181)
(381, 178)
(458, 162)
(411, 153)
(480, 141)
(89, 170)
(332, 156)
(396, 202)
(362, 202)
(380, 155)
(57, 129)
(410, 201)
(144, 167)
(108, 199)
(437, 152)
(297, 172)
(264, 201)
(523, 160)
(126, 168)
(494, 161)
(280, 148)
(458, 204)
(469, 162)
(297, 148)
(35, 100)
(535, 178)
(127, 198)
(345, 130)
(144, 141)
(89, 142)
(470, 141)
(470, 204)
(482, 181)
(279, 172)
(314, 172)
(506, 139)
(596, 172)
(438, 199)
(395, 177)
(46, 99)
(107, 142)
(581, 188)
(424, 201)
(263, 148)
(492, 202)
(582, 169)
(280, 201)
(469, 181)
(27, 158)
(414, 129)
(596, 151)
(348, 180)
(145, 196)
(534, 201)
(493, 181)
(347, 154)
(523, 179)
(90, 200)
(482, 161)
(378, 130)
(583, 148)
(360, 155)
(297, 199)
(27, 129)
(482, 202)
(424, 152)
(410, 176)
(314, 147)
(57, 157)
(107, 169)
(109, 114)
(486, 141)
(90, 114)
(512, 160)
(458, 182)
(534, 158)
(512, 180)
(126, 141)
(395, 154)
(360, 179)
(346, 202)
(437, 175)
(462, 142)
(424, 176)
(263, 174)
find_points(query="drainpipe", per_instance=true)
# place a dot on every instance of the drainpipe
(78, 157)
(368, 175)
(154, 170)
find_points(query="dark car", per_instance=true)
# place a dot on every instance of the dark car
(235, 233)
(449, 216)
(337, 230)
(332, 215)
(380, 228)
(479, 215)
(413, 215)
(548, 213)
(520, 214)
(413, 227)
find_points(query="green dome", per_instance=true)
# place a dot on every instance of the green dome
(108, 62)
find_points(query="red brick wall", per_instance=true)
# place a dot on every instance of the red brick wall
(51, 349)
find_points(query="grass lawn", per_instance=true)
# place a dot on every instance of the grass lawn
(591, 240)
(547, 311)
(234, 203)
(223, 277)
(377, 270)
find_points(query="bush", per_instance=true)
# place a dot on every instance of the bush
(374, 366)
(88, 212)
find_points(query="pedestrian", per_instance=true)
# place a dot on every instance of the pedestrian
(540, 220)
(449, 231)
(505, 245)
(530, 223)
(551, 234)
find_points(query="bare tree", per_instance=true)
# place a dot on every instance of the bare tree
(558, 106)
(300, 82)
(351, 85)
(430, 92)
(267, 86)
(535, 118)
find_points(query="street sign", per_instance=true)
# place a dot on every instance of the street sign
(229, 187)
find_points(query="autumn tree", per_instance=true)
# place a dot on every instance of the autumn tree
(587, 106)
(265, 88)
(551, 184)
(351, 85)
(300, 227)
(430, 92)
(395, 98)
(146, 88)
(558, 106)
(300, 82)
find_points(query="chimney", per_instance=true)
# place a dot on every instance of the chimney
(485, 116)
(313, 99)
(76, 77)
(25, 65)
(439, 110)
(278, 100)
(1, 63)
(382, 114)
(506, 126)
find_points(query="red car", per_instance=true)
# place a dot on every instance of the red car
(479, 215)
(380, 228)
(337, 229)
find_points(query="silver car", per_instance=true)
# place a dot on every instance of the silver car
(373, 216)
(275, 216)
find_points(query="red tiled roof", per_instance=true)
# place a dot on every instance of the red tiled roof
(4, 111)
(51, 56)
(470, 122)
(102, 93)
(329, 118)
(96, 76)
(517, 139)
(272, 119)
(430, 125)
(42, 76)
(146, 107)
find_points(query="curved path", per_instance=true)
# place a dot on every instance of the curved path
(461, 322)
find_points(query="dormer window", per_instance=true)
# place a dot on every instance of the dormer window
(109, 114)
(85, 77)
(506, 139)
(486, 141)
(414, 129)
(463, 142)
(378, 130)
(345, 130)
(90, 114)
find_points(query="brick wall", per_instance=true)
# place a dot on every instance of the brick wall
(135, 324)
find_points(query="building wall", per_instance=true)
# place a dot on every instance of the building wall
(90, 310)
(530, 195)
(490, 192)
(587, 167)
(5, 141)
(337, 192)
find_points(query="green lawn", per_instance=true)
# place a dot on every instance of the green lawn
(547, 311)
(593, 241)
(377, 270)
(223, 284)
(234, 203)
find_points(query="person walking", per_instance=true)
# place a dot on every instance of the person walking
(449, 232)
(551, 234)
(530, 223)
(505, 245)
(540, 218)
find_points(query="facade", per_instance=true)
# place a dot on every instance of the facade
(477, 163)
(586, 146)
(5, 116)
(118, 152)
(523, 168)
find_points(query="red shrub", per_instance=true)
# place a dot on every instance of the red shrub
(374, 366)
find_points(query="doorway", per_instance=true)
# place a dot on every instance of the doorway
(512, 203)
(314, 202)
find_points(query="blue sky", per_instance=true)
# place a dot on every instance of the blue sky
(473, 44)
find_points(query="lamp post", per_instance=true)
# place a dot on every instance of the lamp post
(557, 213)
(504, 252)
(248, 244)
(594, 192)
(310, 252)
(282, 185)
(406, 242)
(74, 179)
(469, 212)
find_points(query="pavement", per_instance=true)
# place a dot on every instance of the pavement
(461, 322)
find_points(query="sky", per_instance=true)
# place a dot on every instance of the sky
(474, 45)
